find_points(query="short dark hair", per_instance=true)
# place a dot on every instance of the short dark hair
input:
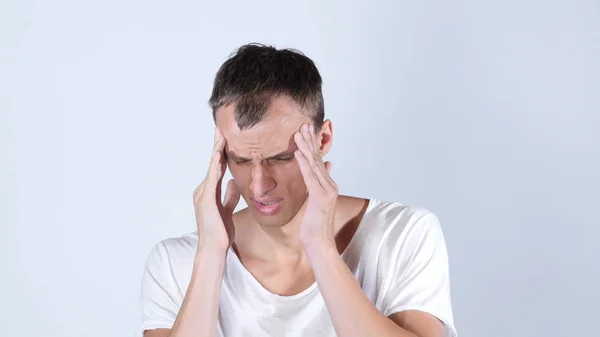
(255, 73)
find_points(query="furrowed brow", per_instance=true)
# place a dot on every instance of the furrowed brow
(282, 154)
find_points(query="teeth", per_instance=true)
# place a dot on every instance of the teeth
(268, 203)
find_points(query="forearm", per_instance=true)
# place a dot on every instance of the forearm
(350, 310)
(199, 310)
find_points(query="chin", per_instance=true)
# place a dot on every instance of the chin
(281, 218)
(276, 220)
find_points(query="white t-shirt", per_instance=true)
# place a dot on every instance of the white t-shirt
(397, 254)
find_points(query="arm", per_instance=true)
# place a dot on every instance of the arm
(198, 314)
(346, 302)
(417, 270)
(199, 309)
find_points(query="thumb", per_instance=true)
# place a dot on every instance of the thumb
(328, 166)
(232, 197)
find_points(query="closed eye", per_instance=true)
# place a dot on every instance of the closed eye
(282, 159)
(275, 159)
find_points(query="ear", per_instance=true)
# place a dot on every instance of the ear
(325, 138)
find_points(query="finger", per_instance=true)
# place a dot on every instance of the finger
(323, 173)
(308, 133)
(303, 136)
(310, 178)
(324, 170)
(307, 154)
(217, 134)
(305, 144)
(232, 196)
(212, 176)
(220, 175)
(305, 131)
(215, 170)
(314, 160)
(219, 183)
(219, 144)
(302, 141)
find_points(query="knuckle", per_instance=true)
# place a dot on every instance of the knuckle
(332, 191)
(336, 188)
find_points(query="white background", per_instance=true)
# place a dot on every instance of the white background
(484, 112)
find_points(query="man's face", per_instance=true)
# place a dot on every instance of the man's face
(262, 163)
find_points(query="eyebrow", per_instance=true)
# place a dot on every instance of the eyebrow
(286, 153)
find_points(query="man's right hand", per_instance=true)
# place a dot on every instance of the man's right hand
(199, 310)
(213, 217)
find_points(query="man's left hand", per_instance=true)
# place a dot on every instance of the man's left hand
(317, 224)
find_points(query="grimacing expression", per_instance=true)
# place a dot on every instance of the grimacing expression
(262, 163)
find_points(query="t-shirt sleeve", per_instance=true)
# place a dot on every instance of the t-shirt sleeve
(158, 292)
(419, 272)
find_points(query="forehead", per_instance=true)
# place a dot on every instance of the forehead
(273, 133)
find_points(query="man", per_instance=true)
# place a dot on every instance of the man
(300, 260)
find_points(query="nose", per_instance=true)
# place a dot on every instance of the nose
(262, 182)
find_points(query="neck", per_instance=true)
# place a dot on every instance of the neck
(280, 243)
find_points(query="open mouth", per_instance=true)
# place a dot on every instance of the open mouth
(268, 207)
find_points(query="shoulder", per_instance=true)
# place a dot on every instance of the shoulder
(412, 262)
(400, 235)
(165, 280)
(394, 221)
(172, 253)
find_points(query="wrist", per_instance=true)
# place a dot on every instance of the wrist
(318, 247)
(210, 252)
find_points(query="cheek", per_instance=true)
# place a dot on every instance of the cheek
(240, 174)
(289, 175)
